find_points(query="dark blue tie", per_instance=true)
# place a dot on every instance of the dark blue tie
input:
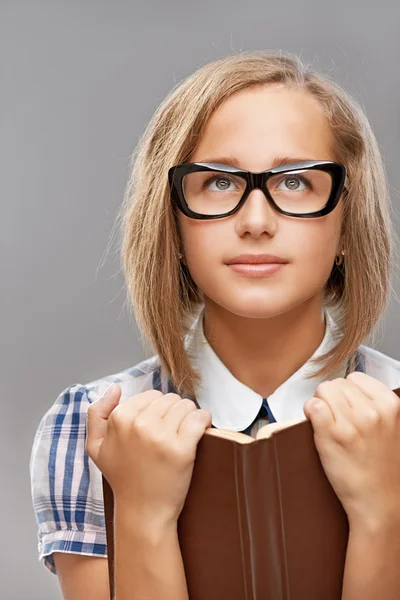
(263, 413)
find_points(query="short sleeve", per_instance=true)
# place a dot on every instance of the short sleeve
(66, 485)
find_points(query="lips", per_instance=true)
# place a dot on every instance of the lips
(256, 259)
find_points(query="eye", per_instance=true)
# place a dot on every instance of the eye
(293, 183)
(222, 182)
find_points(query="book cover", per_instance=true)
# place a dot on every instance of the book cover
(260, 520)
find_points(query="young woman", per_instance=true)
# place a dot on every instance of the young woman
(257, 247)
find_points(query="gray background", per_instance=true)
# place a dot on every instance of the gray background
(79, 82)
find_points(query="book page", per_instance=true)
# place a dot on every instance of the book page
(227, 434)
(242, 438)
(270, 428)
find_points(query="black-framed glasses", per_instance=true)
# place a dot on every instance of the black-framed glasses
(304, 189)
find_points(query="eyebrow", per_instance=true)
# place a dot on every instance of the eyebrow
(234, 162)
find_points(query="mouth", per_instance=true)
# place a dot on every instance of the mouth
(256, 259)
(256, 265)
(256, 269)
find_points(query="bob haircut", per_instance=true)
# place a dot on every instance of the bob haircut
(164, 297)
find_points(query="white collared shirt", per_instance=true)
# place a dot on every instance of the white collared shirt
(233, 405)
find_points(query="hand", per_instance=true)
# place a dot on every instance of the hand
(145, 448)
(356, 423)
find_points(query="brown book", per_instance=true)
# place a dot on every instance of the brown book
(260, 521)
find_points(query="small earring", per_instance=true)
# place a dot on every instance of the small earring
(180, 256)
(341, 259)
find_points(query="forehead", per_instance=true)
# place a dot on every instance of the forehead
(257, 124)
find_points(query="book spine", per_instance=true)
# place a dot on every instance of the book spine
(243, 520)
(262, 525)
(281, 522)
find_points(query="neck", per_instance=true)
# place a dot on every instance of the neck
(263, 353)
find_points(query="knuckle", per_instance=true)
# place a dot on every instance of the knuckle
(370, 419)
(117, 418)
(190, 403)
(175, 400)
(355, 376)
(92, 408)
(346, 434)
(171, 451)
(186, 403)
(323, 387)
(148, 394)
(143, 429)
(166, 448)
(339, 382)
(140, 425)
(173, 395)
(352, 375)
(156, 441)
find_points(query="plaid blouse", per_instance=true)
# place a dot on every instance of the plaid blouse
(66, 485)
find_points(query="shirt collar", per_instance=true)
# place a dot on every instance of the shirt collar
(232, 404)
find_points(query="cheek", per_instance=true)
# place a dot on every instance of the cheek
(202, 241)
(315, 245)
(206, 245)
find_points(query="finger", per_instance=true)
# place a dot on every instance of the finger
(157, 409)
(194, 425)
(97, 417)
(385, 401)
(356, 398)
(318, 412)
(333, 395)
(343, 428)
(363, 407)
(138, 403)
(175, 415)
(371, 387)
(369, 414)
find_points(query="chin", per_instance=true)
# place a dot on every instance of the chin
(254, 308)
(257, 300)
(257, 312)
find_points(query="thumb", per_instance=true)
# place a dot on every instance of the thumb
(97, 418)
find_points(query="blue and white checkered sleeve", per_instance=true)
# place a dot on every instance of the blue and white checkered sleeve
(66, 485)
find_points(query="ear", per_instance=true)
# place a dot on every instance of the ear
(339, 247)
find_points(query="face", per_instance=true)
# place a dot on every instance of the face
(256, 126)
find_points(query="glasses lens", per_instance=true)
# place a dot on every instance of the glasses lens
(302, 191)
(298, 192)
(212, 192)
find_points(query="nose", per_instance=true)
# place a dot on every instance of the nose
(256, 216)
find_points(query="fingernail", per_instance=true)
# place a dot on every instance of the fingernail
(109, 391)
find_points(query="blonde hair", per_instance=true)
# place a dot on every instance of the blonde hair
(163, 294)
